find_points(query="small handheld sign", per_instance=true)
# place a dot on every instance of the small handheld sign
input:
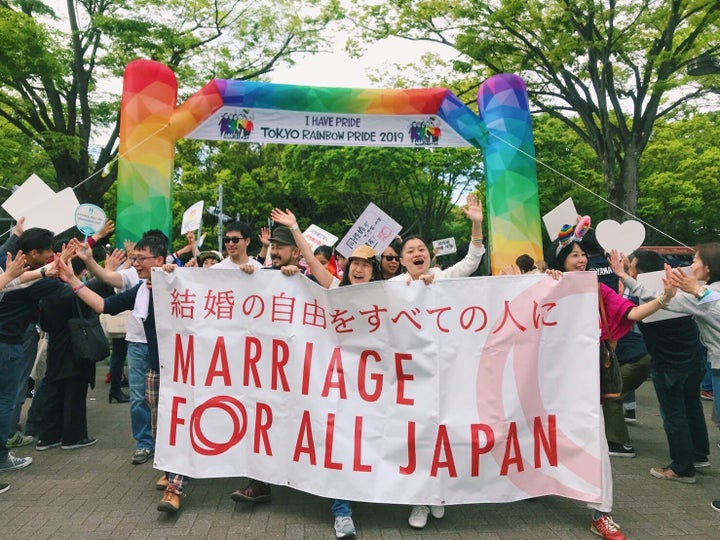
(89, 219)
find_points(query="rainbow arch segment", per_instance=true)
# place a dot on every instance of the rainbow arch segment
(280, 113)
(513, 205)
(147, 150)
(266, 112)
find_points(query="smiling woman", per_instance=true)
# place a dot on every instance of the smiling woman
(415, 255)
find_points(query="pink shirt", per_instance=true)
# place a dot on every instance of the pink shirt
(616, 311)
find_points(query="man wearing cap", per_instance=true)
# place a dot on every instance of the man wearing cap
(237, 240)
(283, 248)
(285, 256)
(209, 258)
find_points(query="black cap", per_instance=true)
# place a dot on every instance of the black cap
(282, 235)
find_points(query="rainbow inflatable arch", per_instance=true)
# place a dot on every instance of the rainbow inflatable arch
(151, 123)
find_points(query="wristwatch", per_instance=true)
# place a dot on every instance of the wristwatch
(702, 291)
(42, 272)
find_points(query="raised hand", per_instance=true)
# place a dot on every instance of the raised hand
(115, 259)
(285, 217)
(16, 267)
(473, 210)
(264, 236)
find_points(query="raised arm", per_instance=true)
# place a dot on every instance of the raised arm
(106, 275)
(90, 297)
(287, 218)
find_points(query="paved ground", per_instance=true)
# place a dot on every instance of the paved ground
(96, 493)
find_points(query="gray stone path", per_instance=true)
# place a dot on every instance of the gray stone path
(95, 493)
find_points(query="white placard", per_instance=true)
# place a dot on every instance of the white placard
(444, 246)
(563, 214)
(31, 193)
(653, 281)
(192, 218)
(373, 228)
(56, 213)
(317, 237)
(624, 237)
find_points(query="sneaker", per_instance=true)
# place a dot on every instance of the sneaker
(12, 463)
(255, 492)
(438, 512)
(170, 502)
(605, 526)
(418, 517)
(707, 395)
(46, 445)
(4, 487)
(141, 456)
(666, 473)
(82, 443)
(630, 417)
(18, 440)
(344, 527)
(704, 464)
(621, 450)
(715, 505)
(162, 483)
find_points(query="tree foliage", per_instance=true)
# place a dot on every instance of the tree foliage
(607, 70)
(54, 68)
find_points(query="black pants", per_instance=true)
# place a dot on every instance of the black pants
(65, 410)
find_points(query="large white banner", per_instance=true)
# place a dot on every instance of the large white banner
(467, 390)
(336, 129)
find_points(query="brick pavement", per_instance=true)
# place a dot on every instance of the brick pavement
(95, 493)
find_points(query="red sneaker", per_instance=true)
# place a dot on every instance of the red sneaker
(107, 378)
(605, 526)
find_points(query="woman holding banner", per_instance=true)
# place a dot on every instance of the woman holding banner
(415, 257)
(567, 255)
(362, 267)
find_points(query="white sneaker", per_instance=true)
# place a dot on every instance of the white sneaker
(438, 512)
(344, 527)
(418, 517)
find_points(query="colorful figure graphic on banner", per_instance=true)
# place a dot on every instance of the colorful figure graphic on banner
(150, 124)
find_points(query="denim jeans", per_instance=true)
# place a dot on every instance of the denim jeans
(137, 355)
(716, 393)
(30, 345)
(12, 364)
(683, 417)
(341, 508)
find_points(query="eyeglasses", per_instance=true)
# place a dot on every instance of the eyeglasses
(391, 257)
(233, 239)
(141, 259)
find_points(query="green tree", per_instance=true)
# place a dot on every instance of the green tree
(50, 78)
(680, 181)
(608, 70)
(416, 187)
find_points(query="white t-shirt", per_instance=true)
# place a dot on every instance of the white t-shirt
(135, 329)
(227, 263)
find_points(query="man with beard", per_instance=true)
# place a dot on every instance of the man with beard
(285, 256)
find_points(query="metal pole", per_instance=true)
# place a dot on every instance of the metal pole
(220, 219)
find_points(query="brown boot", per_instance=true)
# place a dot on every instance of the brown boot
(170, 502)
(162, 483)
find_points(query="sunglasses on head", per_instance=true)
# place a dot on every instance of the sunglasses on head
(233, 239)
(391, 257)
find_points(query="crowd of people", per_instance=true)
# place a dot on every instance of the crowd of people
(47, 281)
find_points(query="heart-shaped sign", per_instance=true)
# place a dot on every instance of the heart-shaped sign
(625, 237)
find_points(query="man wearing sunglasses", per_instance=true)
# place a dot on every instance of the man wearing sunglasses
(237, 240)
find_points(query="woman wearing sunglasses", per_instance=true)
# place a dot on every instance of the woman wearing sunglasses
(390, 262)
